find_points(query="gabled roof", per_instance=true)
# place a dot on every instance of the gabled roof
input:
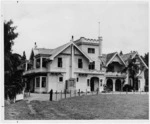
(83, 53)
(131, 55)
(103, 59)
(111, 56)
(107, 58)
(42, 51)
(127, 56)
(37, 51)
(58, 50)
(54, 52)
(143, 62)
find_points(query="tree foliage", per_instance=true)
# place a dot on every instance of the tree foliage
(12, 76)
(146, 74)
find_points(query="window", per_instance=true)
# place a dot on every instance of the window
(79, 63)
(38, 63)
(92, 66)
(91, 50)
(29, 66)
(43, 81)
(77, 79)
(88, 82)
(44, 62)
(60, 79)
(38, 82)
(59, 62)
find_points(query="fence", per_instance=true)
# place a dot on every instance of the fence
(56, 96)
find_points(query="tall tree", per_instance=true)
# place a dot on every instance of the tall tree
(13, 78)
(133, 70)
(9, 36)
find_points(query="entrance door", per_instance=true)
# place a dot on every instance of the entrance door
(94, 83)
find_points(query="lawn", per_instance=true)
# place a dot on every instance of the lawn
(102, 106)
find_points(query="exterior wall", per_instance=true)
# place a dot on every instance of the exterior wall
(53, 65)
(93, 56)
(84, 61)
(81, 84)
(53, 83)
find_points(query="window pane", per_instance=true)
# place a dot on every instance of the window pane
(77, 79)
(43, 81)
(91, 50)
(92, 66)
(59, 62)
(79, 63)
(60, 79)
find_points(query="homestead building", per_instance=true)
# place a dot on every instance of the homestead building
(80, 64)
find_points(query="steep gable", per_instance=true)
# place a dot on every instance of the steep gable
(108, 58)
(116, 58)
(132, 55)
(128, 56)
(68, 51)
(64, 47)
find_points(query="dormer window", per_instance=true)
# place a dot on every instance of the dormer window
(80, 63)
(91, 50)
(59, 62)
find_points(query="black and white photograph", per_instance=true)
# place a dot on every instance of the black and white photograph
(75, 60)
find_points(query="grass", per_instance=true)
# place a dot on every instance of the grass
(105, 106)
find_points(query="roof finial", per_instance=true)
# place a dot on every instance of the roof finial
(72, 38)
(35, 46)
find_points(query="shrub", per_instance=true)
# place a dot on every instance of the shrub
(127, 87)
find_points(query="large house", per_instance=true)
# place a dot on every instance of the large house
(80, 64)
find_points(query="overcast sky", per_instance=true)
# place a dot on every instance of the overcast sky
(124, 25)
